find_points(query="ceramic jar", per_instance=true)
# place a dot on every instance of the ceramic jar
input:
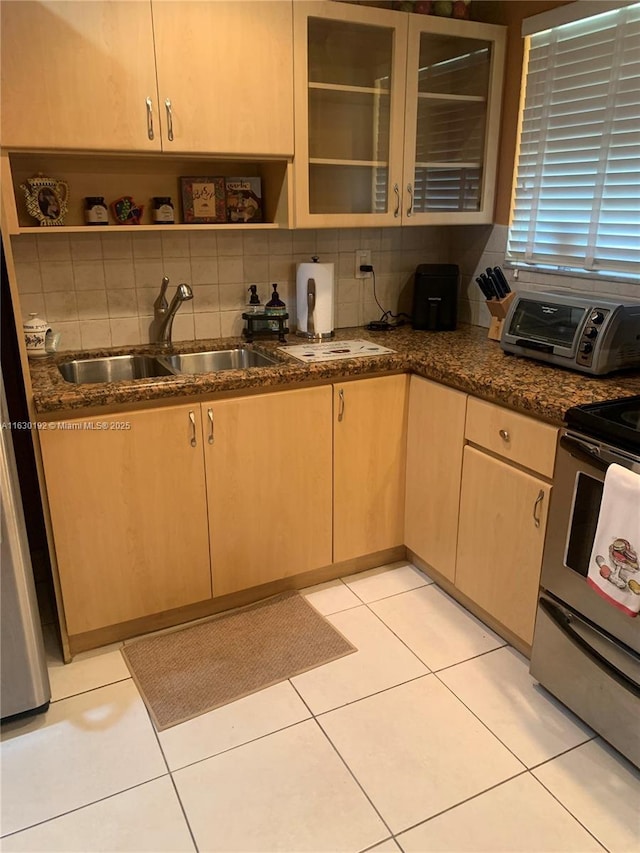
(35, 334)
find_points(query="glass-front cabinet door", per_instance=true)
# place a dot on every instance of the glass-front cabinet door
(454, 91)
(350, 65)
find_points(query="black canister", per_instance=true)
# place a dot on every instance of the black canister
(163, 213)
(95, 210)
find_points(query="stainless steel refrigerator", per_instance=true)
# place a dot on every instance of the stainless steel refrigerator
(24, 686)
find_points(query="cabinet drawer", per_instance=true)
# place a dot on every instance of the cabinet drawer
(515, 437)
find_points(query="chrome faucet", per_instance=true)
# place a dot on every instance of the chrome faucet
(166, 315)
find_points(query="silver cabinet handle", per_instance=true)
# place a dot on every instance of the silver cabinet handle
(396, 190)
(341, 406)
(149, 104)
(210, 416)
(504, 434)
(167, 104)
(192, 418)
(410, 208)
(538, 503)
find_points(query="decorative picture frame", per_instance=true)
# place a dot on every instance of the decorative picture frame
(203, 200)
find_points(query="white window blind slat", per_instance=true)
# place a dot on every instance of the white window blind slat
(577, 192)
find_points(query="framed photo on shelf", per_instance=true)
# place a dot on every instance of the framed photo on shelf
(203, 200)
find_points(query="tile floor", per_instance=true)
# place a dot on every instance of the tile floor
(432, 737)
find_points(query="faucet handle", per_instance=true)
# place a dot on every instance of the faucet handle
(161, 304)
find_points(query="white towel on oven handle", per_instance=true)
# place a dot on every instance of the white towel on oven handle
(613, 568)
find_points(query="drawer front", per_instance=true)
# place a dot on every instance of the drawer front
(513, 436)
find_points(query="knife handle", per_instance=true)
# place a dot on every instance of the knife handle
(502, 279)
(500, 293)
(483, 287)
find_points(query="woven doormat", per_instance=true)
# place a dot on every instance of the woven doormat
(186, 673)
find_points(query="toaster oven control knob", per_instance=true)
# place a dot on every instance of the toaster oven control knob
(597, 317)
(586, 347)
(591, 332)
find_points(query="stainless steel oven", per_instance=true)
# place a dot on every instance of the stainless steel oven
(585, 651)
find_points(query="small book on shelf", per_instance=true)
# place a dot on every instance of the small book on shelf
(244, 199)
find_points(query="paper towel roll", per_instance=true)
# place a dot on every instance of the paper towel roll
(315, 313)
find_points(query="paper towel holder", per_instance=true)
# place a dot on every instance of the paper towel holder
(315, 304)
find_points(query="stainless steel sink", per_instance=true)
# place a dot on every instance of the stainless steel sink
(116, 368)
(211, 362)
(113, 368)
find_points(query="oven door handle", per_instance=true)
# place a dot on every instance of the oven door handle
(584, 451)
(581, 638)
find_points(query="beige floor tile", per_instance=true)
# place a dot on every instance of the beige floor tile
(83, 749)
(386, 580)
(288, 792)
(497, 687)
(147, 818)
(239, 722)
(601, 789)
(438, 629)
(86, 671)
(331, 597)
(416, 750)
(381, 661)
(388, 846)
(516, 817)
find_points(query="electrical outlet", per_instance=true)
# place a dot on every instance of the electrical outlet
(363, 258)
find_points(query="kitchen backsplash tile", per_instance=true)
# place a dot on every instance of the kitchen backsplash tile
(100, 288)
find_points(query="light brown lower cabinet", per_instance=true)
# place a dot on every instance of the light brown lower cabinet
(435, 438)
(268, 463)
(503, 517)
(370, 427)
(128, 508)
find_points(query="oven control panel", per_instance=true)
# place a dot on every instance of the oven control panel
(589, 336)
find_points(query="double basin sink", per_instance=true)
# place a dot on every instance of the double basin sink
(117, 368)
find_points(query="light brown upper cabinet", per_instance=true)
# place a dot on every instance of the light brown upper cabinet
(78, 75)
(82, 75)
(225, 76)
(454, 92)
(397, 116)
(349, 109)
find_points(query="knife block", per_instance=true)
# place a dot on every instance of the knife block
(498, 308)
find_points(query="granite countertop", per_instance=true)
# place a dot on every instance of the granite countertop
(464, 359)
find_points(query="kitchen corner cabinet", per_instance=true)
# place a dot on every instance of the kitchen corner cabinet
(503, 513)
(397, 116)
(127, 498)
(435, 440)
(268, 464)
(96, 86)
(370, 419)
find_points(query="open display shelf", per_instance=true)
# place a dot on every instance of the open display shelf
(142, 177)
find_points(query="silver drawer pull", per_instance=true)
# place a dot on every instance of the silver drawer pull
(192, 418)
(210, 416)
(341, 406)
(538, 503)
(504, 435)
(149, 104)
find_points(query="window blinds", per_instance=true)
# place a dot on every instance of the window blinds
(577, 187)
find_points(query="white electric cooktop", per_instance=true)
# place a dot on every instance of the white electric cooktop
(334, 350)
